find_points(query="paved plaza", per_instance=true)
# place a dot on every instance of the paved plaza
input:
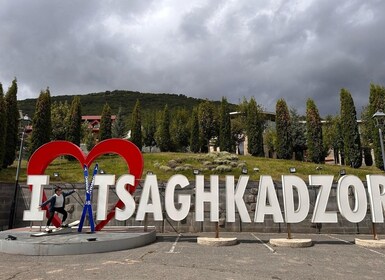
(175, 256)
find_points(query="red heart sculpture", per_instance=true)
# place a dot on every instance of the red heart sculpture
(43, 156)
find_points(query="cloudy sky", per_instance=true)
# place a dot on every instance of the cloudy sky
(268, 49)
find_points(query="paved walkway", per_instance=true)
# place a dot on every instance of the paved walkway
(175, 256)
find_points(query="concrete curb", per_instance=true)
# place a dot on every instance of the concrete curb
(211, 241)
(293, 243)
(370, 243)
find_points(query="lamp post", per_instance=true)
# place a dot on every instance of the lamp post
(25, 121)
(379, 117)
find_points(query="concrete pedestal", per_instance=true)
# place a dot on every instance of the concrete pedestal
(212, 241)
(19, 241)
(370, 243)
(293, 243)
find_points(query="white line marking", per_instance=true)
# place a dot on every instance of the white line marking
(348, 242)
(339, 239)
(264, 244)
(174, 245)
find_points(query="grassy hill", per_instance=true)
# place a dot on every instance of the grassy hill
(92, 103)
(164, 165)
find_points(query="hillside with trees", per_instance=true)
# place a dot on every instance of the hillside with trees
(93, 103)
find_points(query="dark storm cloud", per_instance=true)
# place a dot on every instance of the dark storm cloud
(267, 49)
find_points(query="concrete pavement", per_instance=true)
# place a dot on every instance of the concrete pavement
(175, 256)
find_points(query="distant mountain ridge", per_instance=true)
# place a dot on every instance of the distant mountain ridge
(92, 103)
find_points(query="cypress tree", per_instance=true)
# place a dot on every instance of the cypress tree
(194, 135)
(315, 150)
(284, 136)
(350, 134)
(225, 138)
(298, 137)
(180, 134)
(12, 125)
(105, 131)
(2, 126)
(149, 130)
(59, 114)
(207, 123)
(118, 127)
(163, 132)
(376, 103)
(136, 126)
(74, 122)
(41, 121)
(254, 128)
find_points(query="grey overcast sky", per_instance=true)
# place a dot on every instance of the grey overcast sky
(268, 49)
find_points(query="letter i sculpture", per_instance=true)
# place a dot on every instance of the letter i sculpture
(87, 208)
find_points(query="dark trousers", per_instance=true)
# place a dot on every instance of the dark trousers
(59, 210)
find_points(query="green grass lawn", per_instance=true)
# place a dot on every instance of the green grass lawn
(166, 164)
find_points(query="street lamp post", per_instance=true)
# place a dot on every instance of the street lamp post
(379, 117)
(25, 121)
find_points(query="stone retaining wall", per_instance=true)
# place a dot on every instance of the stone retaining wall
(74, 208)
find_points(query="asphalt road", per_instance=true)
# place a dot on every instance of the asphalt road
(180, 257)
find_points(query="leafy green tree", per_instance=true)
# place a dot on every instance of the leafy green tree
(194, 135)
(12, 125)
(332, 137)
(270, 140)
(41, 121)
(255, 123)
(163, 137)
(315, 150)
(284, 134)
(226, 142)
(88, 136)
(180, 134)
(118, 127)
(350, 134)
(74, 122)
(2, 126)
(298, 132)
(207, 123)
(136, 126)
(105, 123)
(59, 116)
(376, 103)
(149, 130)
(238, 129)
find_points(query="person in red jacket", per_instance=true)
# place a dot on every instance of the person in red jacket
(57, 203)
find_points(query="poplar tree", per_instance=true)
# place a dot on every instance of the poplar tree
(226, 142)
(41, 121)
(283, 127)
(136, 126)
(105, 123)
(350, 134)
(254, 128)
(74, 122)
(2, 126)
(194, 135)
(12, 125)
(315, 150)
